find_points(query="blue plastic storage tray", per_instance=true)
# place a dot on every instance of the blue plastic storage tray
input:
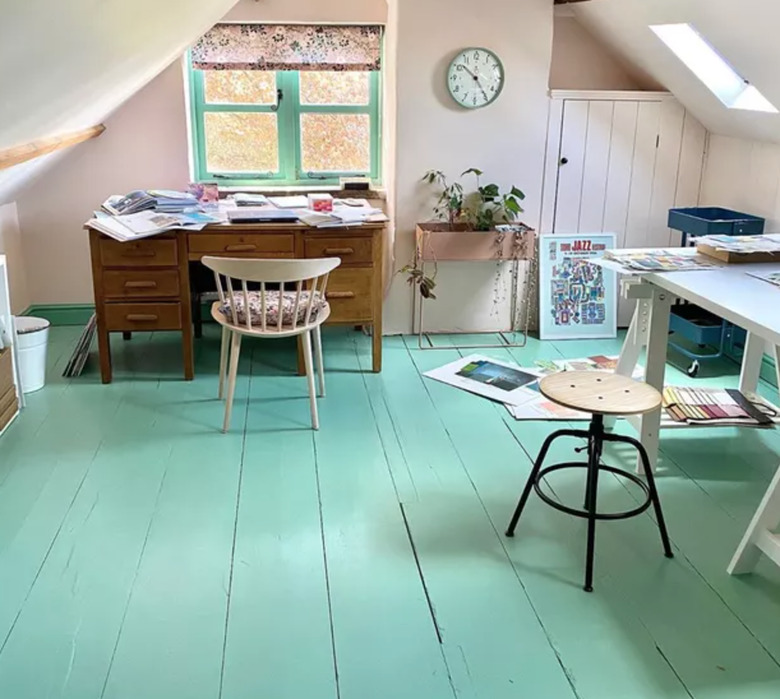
(713, 220)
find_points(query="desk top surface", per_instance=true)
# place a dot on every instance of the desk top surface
(731, 293)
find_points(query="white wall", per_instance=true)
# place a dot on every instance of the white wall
(743, 175)
(505, 139)
(581, 62)
(11, 247)
(744, 32)
(145, 145)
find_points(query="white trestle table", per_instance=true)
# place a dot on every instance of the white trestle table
(730, 293)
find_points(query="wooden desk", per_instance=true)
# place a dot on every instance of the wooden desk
(145, 285)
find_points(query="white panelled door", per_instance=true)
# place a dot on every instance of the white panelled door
(616, 163)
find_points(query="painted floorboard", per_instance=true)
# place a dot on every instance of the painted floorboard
(145, 554)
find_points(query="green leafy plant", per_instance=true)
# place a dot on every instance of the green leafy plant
(488, 207)
(416, 276)
(449, 205)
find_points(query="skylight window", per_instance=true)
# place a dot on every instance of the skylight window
(711, 68)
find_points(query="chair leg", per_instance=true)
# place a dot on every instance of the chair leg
(319, 360)
(594, 456)
(510, 531)
(224, 352)
(235, 352)
(307, 359)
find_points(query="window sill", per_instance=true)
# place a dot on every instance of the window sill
(281, 190)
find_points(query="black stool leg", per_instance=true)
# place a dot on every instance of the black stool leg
(594, 458)
(659, 515)
(532, 479)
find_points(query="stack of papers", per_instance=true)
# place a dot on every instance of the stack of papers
(148, 223)
(132, 203)
(708, 406)
(518, 387)
(656, 260)
(742, 244)
(355, 213)
(172, 202)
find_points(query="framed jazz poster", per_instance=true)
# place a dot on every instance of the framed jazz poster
(577, 299)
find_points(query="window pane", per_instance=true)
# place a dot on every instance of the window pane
(334, 88)
(241, 142)
(239, 87)
(336, 142)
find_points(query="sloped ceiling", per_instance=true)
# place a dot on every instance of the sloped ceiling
(67, 65)
(745, 32)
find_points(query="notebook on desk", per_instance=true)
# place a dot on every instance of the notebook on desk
(249, 214)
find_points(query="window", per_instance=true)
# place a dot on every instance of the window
(711, 68)
(275, 104)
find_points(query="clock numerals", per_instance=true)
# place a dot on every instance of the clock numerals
(475, 78)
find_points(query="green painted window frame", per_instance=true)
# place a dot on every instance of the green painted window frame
(288, 112)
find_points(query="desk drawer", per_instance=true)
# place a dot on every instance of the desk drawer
(139, 253)
(349, 294)
(282, 245)
(143, 316)
(6, 370)
(128, 284)
(7, 400)
(350, 250)
(9, 412)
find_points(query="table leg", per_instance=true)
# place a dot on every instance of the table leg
(751, 363)
(655, 370)
(765, 520)
(636, 339)
(104, 350)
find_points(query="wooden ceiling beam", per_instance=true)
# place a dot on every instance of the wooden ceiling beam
(27, 151)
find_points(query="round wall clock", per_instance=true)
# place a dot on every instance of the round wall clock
(475, 78)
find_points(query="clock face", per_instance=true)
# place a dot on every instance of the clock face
(475, 78)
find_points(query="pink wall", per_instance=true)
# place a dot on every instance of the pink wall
(145, 145)
(581, 62)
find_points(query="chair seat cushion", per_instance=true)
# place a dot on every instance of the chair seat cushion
(272, 308)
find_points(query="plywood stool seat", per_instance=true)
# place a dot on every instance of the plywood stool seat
(600, 392)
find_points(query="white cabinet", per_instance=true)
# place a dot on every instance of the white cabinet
(616, 163)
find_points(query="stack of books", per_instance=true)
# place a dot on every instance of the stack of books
(714, 406)
(165, 200)
(170, 201)
(132, 203)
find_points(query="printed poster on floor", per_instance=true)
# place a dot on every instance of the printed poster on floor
(577, 299)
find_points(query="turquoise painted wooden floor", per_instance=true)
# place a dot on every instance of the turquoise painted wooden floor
(145, 555)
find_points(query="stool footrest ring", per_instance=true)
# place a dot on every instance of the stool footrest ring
(584, 513)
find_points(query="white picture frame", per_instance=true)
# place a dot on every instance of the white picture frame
(577, 300)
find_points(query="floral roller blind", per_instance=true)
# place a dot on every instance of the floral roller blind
(289, 47)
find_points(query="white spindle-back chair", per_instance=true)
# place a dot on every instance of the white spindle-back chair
(307, 279)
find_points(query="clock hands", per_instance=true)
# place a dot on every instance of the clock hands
(476, 79)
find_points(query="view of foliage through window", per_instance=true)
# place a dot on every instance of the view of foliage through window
(285, 126)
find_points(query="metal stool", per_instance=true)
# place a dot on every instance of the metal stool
(600, 394)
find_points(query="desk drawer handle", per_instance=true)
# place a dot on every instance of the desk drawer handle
(240, 248)
(141, 285)
(339, 294)
(339, 251)
(142, 317)
(140, 253)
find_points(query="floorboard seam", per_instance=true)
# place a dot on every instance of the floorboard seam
(51, 546)
(325, 568)
(671, 667)
(135, 578)
(235, 526)
(548, 636)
